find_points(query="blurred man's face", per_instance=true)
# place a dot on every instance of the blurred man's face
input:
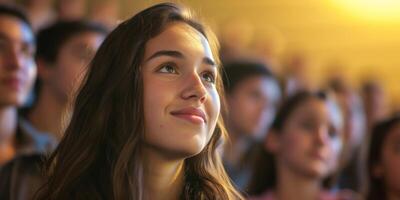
(17, 66)
(252, 105)
(67, 72)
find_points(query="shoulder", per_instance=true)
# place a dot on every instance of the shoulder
(36, 141)
(21, 177)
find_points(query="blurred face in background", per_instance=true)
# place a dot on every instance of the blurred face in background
(310, 141)
(252, 106)
(354, 119)
(65, 75)
(17, 66)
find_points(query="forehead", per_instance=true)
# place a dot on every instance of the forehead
(15, 30)
(323, 110)
(180, 37)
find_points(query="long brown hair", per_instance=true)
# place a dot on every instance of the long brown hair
(100, 154)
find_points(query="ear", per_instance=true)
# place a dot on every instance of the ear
(44, 69)
(272, 142)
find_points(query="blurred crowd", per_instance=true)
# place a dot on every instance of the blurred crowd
(288, 138)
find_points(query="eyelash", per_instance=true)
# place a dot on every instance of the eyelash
(207, 76)
(211, 75)
(173, 66)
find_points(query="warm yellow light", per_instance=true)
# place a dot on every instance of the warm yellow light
(377, 10)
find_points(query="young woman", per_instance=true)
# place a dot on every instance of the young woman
(384, 160)
(301, 150)
(146, 122)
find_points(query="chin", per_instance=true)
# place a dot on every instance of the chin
(317, 172)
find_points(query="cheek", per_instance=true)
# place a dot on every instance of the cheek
(295, 143)
(243, 109)
(213, 107)
(32, 72)
(335, 149)
(155, 96)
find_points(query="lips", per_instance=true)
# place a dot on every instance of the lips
(194, 115)
(12, 82)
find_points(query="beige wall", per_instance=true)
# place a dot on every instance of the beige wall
(325, 30)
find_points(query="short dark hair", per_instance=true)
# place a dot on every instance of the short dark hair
(237, 71)
(16, 12)
(52, 38)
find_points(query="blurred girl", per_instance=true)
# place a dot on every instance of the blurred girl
(301, 150)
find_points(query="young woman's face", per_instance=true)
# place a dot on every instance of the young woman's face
(389, 166)
(310, 141)
(181, 102)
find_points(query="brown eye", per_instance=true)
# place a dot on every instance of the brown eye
(209, 77)
(168, 68)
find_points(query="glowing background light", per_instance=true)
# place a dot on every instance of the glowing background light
(375, 10)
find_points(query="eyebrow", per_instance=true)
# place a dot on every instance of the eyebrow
(25, 42)
(177, 54)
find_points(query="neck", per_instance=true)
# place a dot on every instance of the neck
(47, 114)
(163, 178)
(293, 186)
(8, 123)
(8, 127)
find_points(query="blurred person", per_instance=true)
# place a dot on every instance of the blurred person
(63, 51)
(252, 95)
(235, 36)
(301, 150)
(146, 122)
(354, 134)
(70, 10)
(40, 12)
(105, 12)
(295, 78)
(383, 162)
(375, 102)
(17, 74)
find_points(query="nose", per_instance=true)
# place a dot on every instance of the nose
(322, 135)
(194, 89)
